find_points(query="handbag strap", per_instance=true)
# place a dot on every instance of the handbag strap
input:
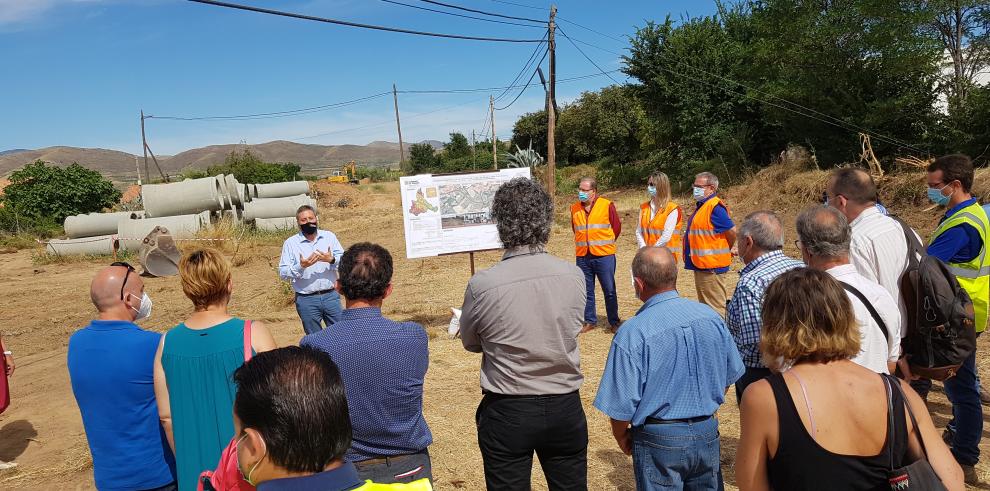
(869, 306)
(914, 421)
(890, 419)
(247, 340)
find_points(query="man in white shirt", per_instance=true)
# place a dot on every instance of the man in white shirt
(824, 237)
(309, 261)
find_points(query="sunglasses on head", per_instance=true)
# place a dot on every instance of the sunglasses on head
(130, 269)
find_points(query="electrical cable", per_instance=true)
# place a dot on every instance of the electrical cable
(519, 5)
(525, 67)
(356, 24)
(586, 55)
(458, 7)
(592, 30)
(528, 83)
(278, 114)
(459, 15)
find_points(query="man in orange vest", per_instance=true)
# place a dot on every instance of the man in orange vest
(596, 226)
(710, 238)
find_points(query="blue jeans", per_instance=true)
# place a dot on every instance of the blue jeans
(602, 267)
(677, 456)
(963, 392)
(316, 310)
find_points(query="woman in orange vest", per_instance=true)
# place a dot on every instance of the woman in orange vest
(596, 225)
(660, 219)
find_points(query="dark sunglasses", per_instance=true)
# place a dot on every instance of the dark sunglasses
(130, 269)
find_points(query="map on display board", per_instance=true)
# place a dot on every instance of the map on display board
(447, 214)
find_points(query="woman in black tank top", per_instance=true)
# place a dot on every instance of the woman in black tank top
(822, 422)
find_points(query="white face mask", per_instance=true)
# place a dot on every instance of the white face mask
(144, 311)
(237, 455)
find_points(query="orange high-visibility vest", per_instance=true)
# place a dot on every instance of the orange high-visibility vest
(709, 250)
(653, 229)
(592, 231)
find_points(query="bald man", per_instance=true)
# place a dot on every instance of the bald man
(669, 335)
(111, 367)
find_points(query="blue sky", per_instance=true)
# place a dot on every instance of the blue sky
(77, 72)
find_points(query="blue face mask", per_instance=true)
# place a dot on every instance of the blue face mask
(699, 193)
(652, 190)
(936, 196)
(583, 196)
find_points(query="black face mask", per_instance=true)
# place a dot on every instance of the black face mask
(308, 228)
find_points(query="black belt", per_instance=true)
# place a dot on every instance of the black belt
(655, 421)
(321, 292)
(392, 459)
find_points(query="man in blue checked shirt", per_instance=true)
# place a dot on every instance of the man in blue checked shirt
(667, 373)
(309, 261)
(761, 243)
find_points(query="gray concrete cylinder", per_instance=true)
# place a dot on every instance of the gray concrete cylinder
(234, 190)
(276, 207)
(182, 198)
(132, 232)
(93, 224)
(97, 246)
(283, 189)
(273, 224)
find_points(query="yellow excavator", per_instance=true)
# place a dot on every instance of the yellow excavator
(346, 174)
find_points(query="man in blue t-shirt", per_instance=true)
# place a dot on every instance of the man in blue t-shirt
(111, 367)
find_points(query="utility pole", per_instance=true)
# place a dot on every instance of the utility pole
(144, 146)
(551, 114)
(474, 158)
(398, 127)
(137, 167)
(491, 109)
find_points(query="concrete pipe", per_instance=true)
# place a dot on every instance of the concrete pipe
(274, 224)
(252, 190)
(226, 202)
(182, 198)
(283, 189)
(103, 245)
(93, 224)
(276, 207)
(234, 191)
(131, 233)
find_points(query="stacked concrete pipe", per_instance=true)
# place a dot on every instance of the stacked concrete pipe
(182, 198)
(103, 245)
(276, 207)
(97, 224)
(275, 224)
(282, 189)
(132, 232)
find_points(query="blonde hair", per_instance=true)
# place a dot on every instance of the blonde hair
(205, 275)
(807, 317)
(660, 181)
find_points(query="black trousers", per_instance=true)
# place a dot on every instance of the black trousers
(511, 428)
(749, 376)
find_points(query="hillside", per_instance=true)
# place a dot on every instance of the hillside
(314, 159)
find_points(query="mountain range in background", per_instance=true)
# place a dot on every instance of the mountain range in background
(121, 166)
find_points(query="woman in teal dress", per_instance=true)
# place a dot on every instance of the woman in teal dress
(194, 364)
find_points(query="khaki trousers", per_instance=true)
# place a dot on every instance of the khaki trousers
(711, 290)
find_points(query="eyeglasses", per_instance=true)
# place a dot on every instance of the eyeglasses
(797, 243)
(130, 269)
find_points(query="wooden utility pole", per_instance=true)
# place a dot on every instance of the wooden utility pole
(144, 146)
(398, 127)
(474, 159)
(491, 109)
(551, 113)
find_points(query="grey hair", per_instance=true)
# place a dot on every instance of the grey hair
(824, 231)
(306, 208)
(711, 178)
(523, 214)
(591, 182)
(765, 229)
(655, 266)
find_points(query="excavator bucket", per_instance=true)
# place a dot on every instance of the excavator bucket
(159, 256)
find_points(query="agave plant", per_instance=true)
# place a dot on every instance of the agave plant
(525, 158)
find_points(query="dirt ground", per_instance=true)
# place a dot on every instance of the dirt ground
(43, 304)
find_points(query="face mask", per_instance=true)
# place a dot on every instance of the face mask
(652, 190)
(699, 193)
(237, 455)
(936, 196)
(583, 196)
(308, 228)
(144, 311)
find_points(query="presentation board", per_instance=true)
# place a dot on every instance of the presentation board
(447, 214)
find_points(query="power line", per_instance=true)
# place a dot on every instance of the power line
(520, 5)
(458, 7)
(525, 67)
(278, 114)
(528, 82)
(586, 55)
(355, 24)
(459, 15)
(592, 30)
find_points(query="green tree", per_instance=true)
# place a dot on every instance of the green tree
(531, 127)
(422, 158)
(457, 148)
(601, 125)
(249, 169)
(40, 190)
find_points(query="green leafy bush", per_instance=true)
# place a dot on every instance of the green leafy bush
(46, 194)
(247, 168)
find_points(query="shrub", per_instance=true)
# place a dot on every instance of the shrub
(47, 194)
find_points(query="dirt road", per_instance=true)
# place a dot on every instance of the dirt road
(42, 305)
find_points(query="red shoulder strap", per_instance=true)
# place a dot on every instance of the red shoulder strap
(247, 340)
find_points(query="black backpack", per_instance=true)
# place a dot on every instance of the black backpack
(941, 330)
